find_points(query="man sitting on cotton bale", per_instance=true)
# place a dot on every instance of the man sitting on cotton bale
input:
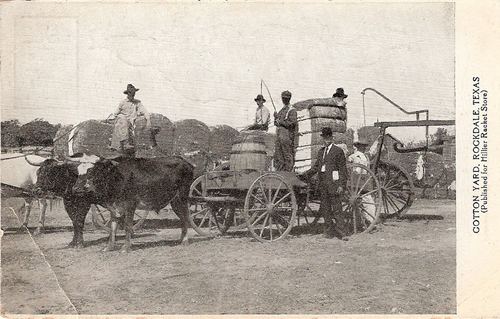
(262, 115)
(128, 111)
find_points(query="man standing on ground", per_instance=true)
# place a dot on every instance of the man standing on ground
(331, 168)
(125, 116)
(286, 132)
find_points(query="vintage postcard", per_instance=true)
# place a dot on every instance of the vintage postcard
(265, 158)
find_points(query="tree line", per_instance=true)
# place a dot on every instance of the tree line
(35, 133)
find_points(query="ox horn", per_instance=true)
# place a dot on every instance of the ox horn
(33, 163)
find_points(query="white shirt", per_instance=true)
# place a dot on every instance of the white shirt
(327, 150)
(132, 110)
(359, 158)
(262, 115)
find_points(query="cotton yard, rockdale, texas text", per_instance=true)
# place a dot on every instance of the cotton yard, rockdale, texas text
(479, 153)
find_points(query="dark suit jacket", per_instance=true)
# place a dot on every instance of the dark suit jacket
(334, 161)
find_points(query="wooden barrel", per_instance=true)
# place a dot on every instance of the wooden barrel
(248, 152)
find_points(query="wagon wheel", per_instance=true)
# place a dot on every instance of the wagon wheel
(397, 189)
(207, 220)
(101, 218)
(270, 208)
(305, 210)
(361, 203)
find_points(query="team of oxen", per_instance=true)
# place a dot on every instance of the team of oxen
(121, 185)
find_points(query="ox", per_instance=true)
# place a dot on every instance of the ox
(58, 178)
(18, 180)
(124, 184)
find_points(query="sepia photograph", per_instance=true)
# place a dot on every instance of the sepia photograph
(217, 158)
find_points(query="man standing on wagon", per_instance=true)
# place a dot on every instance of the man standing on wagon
(331, 168)
(286, 133)
(125, 116)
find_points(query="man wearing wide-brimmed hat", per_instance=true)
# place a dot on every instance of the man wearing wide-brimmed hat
(286, 132)
(359, 156)
(262, 115)
(331, 168)
(128, 111)
(339, 97)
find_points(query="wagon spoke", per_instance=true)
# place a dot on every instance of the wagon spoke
(386, 208)
(358, 181)
(393, 204)
(200, 212)
(370, 192)
(282, 198)
(389, 186)
(362, 187)
(283, 220)
(263, 191)
(367, 212)
(264, 225)
(271, 227)
(277, 191)
(258, 199)
(197, 191)
(397, 187)
(204, 218)
(256, 209)
(392, 201)
(405, 190)
(401, 200)
(259, 218)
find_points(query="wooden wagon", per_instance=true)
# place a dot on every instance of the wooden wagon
(248, 193)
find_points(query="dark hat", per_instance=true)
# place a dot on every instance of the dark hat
(260, 98)
(130, 88)
(340, 93)
(287, 94)
(326, 132)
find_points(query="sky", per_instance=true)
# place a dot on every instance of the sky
(70, 62)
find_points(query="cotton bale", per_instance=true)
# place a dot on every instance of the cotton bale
(328, 102)
(61, 141)
(191, 135)
(222, 138)
(312, 119)
(91, 137)
(163, 136)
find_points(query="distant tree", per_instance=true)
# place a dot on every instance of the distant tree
(37, 132)
(10, 133)
(439, 136)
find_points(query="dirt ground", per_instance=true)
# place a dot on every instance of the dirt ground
(406, 266)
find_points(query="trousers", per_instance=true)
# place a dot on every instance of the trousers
(331, 209)
(122, 132)
(284, 154)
